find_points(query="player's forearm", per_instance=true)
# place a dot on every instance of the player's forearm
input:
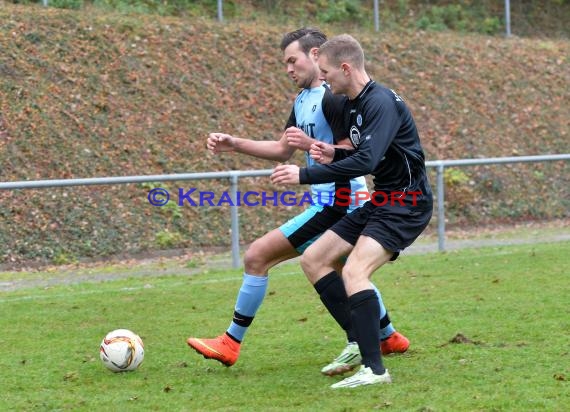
(348, 168)
(269, 150)
(344, 144)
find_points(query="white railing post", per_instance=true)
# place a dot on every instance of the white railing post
(508, 17)
(234, 220)
(220, 11)
(440, 208)
(376, 16)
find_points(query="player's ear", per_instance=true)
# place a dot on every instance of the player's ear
(314, 52)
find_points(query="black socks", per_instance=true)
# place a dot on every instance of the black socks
(364, 312)
(333, 295)
(357, 315)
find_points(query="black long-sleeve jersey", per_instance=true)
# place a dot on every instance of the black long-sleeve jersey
(386, 141)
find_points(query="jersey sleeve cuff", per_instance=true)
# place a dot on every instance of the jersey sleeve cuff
(304, 176)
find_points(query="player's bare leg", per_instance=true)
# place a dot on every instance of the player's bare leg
(266, 252)
(262, 255)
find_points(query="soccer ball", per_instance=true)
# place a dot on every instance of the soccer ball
(122, 350)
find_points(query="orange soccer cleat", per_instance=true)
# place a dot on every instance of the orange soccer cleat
(223, 348)
(396, 343)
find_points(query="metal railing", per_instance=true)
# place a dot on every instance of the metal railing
(234, 176)
(220, 14)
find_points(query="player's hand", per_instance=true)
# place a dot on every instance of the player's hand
(298, 139)
(285, 175)
(220, 142)
(322, 152)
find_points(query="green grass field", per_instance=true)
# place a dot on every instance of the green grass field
(510, 303)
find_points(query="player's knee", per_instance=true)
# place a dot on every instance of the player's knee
(309, 263)
(351, 274)
(305, 264)
(254, 260)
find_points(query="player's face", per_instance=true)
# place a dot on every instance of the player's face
(333, 75)
(302, 69)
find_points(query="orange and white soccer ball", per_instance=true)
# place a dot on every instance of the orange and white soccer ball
(122, 350)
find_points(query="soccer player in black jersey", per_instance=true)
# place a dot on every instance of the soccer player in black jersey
(387, 146)
(317, 116)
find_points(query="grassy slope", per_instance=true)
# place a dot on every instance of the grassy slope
(89, 94)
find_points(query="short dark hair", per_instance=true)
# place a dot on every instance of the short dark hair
(308, 38)
(343, 48)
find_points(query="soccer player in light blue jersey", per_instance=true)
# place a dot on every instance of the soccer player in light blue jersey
(317, 115)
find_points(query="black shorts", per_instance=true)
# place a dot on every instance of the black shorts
(304, 229)
(394, 227)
